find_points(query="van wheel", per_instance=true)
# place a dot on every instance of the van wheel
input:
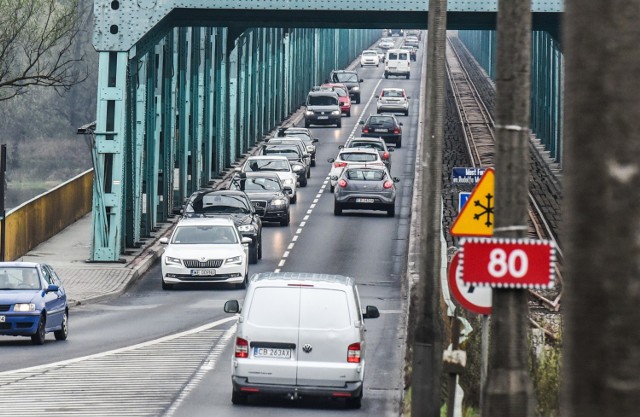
(63, 333)
(354, 403)
(239, 398)
(38, 337)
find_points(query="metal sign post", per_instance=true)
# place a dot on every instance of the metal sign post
(3, 169)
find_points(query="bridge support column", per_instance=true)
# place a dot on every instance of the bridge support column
(209, 108)
(152, 147)
(221, 84)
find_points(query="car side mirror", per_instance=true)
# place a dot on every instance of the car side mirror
(361, 80)
(400, 124)
(377, 95)
(408, 97)
(391, 149)
(331, 160)
(52, 288)
(361, 122)
(396, 179)
(237, 169)
(371, 312)
(287, 189)
(334, 177)
(340, 146)
(164, 240)
(232, 306)
(315, 141)
(306, 155)
(246, 240)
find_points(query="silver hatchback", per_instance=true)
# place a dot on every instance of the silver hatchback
(363, 187)
(300, 335)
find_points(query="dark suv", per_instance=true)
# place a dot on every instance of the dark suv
(233, 204)
(384, 126)
(323, 108)
(350, 79)
(268, 196)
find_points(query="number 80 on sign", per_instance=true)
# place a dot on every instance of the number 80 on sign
(508, 263)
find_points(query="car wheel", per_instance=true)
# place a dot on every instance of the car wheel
(391, 211)
(408, 76)
(306, 124)
(303, 181)
(253, 254)
(260, 248)
(239, 398)
(309, 173)
(349, 113)
(331, 188)
(386, 75)
(399, 143)
(38, 337)
(166, 286)
(361, 65)
(294, 199)
(339, 124)
(353, 403)
(313, 162)
(337, 209)
(286, 220)
(406, 113)
(358, 100)
(64, 330)
(244, 283)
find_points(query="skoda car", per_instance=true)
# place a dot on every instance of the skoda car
(33, 302)
(343, 96)
(268, 196)
(274, 163)
(233, 204)
(205, 250)
(365, 187)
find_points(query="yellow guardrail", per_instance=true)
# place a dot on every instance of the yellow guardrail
(44, 216)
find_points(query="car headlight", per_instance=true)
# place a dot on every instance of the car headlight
(236, 260)
(335, 112)
(277, 202)
(246, 228)
(168, 260)
(309, 113)
(24, 307)
(288, 181)
(297, 168)
(355, 89)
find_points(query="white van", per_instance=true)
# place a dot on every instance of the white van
(300, 335)
(397, 62)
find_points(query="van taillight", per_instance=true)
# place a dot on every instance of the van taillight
(353, 353)
(242, 348)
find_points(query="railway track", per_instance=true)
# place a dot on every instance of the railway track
(479, 140)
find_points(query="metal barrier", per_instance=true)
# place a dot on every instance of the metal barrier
(44, 216)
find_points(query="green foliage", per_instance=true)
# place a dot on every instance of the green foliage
(545, 374)
(470, 378)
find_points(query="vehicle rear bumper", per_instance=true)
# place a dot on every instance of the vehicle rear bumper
(350, 389)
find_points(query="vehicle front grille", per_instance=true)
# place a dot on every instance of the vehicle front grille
(5, 307)
(5, 326)
(211, 263)
(260, 206)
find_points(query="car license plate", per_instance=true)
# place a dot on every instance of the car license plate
(260, 352)
(2, 319)
(380, 130)
(323, 117)
(203, 272)
(365, 200)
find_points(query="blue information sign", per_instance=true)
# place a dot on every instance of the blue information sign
(466, 175)
(463, 196)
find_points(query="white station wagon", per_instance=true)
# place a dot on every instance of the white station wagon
(300, 335)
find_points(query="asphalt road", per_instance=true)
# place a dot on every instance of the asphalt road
(168, 353)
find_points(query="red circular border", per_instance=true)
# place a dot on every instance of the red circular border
(455, 290)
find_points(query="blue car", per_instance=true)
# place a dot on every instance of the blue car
(32, 302)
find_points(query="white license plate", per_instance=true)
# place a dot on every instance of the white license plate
(260, 352)
(365, 200)
(323, 117)
(380, 130)
(2, 319)
(203, 272)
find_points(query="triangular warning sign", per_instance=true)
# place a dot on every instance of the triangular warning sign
(476, 217)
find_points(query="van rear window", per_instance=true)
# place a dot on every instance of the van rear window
(324, 309)
(275, 307)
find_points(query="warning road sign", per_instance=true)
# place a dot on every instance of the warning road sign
(476, 217)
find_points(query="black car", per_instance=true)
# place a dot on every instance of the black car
(229, 203)
(269, 197)
(384, 126)
(306, 136)
(350, 79)
(296, 159)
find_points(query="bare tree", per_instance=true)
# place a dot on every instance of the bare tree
(36, 38)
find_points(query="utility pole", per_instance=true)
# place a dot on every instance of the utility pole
(509, 392)
(601, 212)
(428, 346)
(3, 211)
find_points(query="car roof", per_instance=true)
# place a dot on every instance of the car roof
(392, 89)
(344, 71)
(262, 174)
(284, 158)
(277, 279)
(324, 93)
(21, 264)
(360, 150)
(369, 139)
(206, 221)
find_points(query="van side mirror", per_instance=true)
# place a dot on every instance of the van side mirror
(232, 307)
(371, 312)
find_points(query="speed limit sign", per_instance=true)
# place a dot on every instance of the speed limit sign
(508, 263)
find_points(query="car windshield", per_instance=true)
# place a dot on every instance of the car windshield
(398, 56)
(359, 174)
(322, 101)
(204, 235)
(220, 204)
(340, 91)
(370, 53)
(391, 93)
(358, 157)
(381, 121)
(367, 144)
(305, 138)
(261, 185)
(343, 77)
(289, 152)
(256, 165)
(20, 278)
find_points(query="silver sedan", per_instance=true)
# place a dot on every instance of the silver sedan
(365, 187)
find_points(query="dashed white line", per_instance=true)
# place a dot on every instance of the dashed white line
(281, 264)
(291, 245)
(295, 238)
(305, 218)
(313, 206)
(302, 224)
(298, 231)
(285, 254)
(309, 212)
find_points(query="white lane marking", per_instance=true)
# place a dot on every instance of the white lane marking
(298, 231)
(121, 350)
(295, 238)
(364, 110)
(291, 245)
(285, 254)
(276, 270)
(305, 218)
(316, 200)
(302, 224)
(281, 264)
(309, 212)
(313, 206)
(208, 364)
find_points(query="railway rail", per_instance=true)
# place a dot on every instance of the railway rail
(479, 141)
